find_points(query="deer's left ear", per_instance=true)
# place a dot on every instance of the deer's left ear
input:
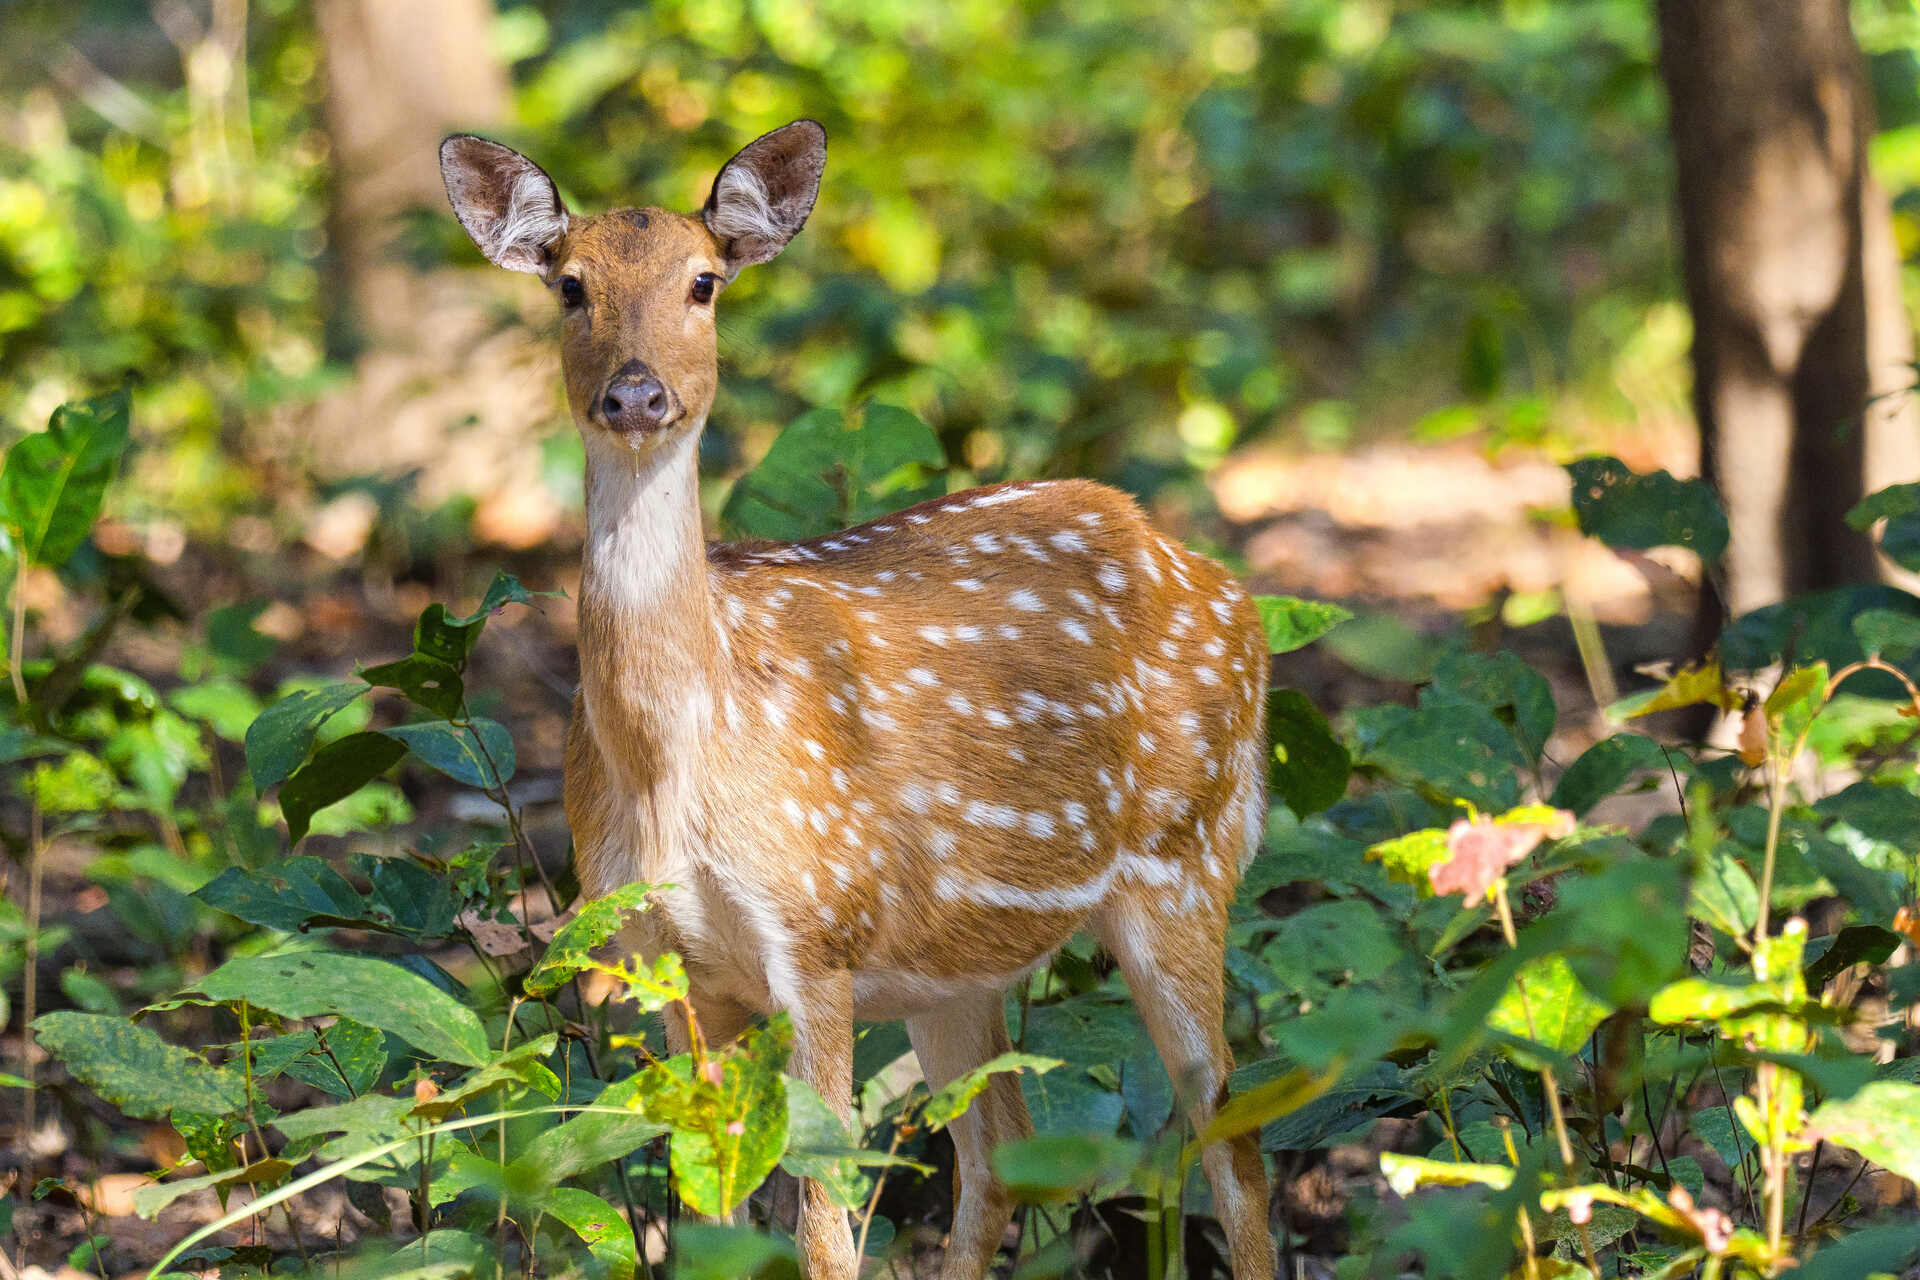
(506, 202)
(763, 195)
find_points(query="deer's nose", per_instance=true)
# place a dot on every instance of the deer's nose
(636, 400)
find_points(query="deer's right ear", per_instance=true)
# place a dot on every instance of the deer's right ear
(506, 202)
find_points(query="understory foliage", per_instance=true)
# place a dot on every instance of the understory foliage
(1664, 1051)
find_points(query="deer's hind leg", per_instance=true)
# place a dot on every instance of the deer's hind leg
(1172, 963)
(949, 1043)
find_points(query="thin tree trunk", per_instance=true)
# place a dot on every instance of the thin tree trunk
(1792, 277)
(401, 74)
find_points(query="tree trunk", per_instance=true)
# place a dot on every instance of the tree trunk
(1793, 280)
(400, 76)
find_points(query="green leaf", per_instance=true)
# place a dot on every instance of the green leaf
(1636, 512)
(52, 483)
(590, 1140)
(149, 1201)
(222, 703)
(1058, 1166)
(291, 897)
(1884, 504)
(952, 1099)
(1459, 749)
(1881, 1122)
(607, 1234)
(427, 681)
(1852, 945)
(707, 1251)
(350, 1062)
(1547, 1005)
(335, 772)
(729, 1133)
(1407, 1174)
(1887, 632)
(1724, 894)
(597, 922)
(1309, 767)
(478, 753)
(505, 589)
(824, 472)
(1292, 624)
(1688, 687)
(820, 1147)
(1411, 858)
(280, 737)
(135, 1069)
(1603, 768)
(315, 984)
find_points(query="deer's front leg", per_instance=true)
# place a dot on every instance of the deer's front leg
(822, 1016)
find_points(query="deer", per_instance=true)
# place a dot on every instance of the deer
(889, 772)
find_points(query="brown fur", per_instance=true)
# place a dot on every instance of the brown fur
(892, 769)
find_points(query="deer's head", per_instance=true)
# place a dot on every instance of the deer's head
(637, 287)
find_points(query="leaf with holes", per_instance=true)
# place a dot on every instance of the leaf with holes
(1309, 766)
(135, 1069)
(281, 736)
(52, 483)
(1631, 511)
(730, 1123)
(592, 1139)
(426, 680)
(478, 752)
(607, 1235)
(317, 984)
(1292, 624)
(291, 897)
(597, 922)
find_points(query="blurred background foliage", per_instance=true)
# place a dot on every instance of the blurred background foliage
(1101, 237)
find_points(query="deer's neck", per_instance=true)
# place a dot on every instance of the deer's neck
(648, 664)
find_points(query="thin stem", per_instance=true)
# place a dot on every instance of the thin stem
(1549, 1085)
(30, 980)
(17, 637)
(1526, 1221)
(1806, 1197)
(873, 1200)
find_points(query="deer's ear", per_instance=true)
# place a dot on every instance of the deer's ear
(763, 195)
(505, 201)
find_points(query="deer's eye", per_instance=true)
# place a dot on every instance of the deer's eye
(703, 285)
(571, 294)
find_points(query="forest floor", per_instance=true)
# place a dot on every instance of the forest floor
(1433, 538)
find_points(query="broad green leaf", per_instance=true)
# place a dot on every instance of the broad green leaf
(1631, 511)
(1703, 1000)
(521, 1067)
(708, 1251)
(1262, 1105)
(1058, 1166)
(1881, 1122)
(426, 680)
(280, 737)
(293, 896)
(335, 772)
(478, 753)
(1546, 1004)
(1292, 623)
(951, 1100)
(1884, 504)
(1517, 695)
(79, 782)
(1459, 750)
(1797, 699)
(222, 703)
(1309, 767)
(505, 589)
(729, 1133)
(607, 1234)
(314, 984)
(1724, 894)
(1851, 946)
(371, 1116)
(1887, 632)
(820, 1147)
(346, 1061)
(825, 472)
(135, 1069)
(149, 1201)
(52, 483)
(1603, 768)
(590, 1140)
(596, 923)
